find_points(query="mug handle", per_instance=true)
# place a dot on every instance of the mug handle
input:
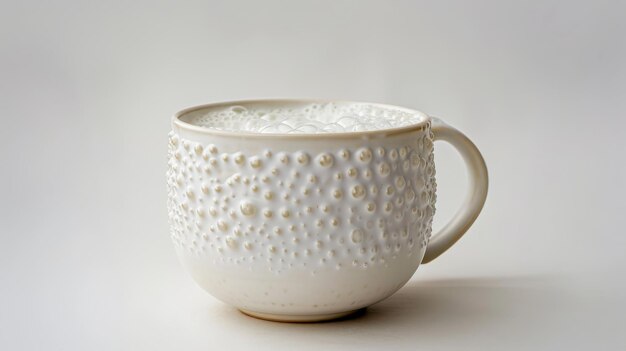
(475, 198)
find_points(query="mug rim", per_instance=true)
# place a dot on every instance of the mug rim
(177, 121)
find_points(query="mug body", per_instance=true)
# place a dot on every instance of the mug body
(300, 226)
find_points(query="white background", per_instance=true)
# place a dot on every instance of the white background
(87, 89)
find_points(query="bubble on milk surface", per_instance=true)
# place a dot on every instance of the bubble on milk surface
(305, 119)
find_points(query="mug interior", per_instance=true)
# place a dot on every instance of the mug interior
(299, 117)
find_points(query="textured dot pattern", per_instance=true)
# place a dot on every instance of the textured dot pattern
(280, 210)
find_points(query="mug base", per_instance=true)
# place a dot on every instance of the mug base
(300, 318)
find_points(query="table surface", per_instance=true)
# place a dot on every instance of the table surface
(86, 91)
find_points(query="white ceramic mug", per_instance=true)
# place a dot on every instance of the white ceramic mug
(310, 226)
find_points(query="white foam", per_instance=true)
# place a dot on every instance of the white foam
(304, 119)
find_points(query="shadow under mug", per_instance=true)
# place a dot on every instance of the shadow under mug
(310, 226)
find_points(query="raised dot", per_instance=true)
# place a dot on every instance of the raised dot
(393, 154)
(247, 209)
(374, 189)
(365, 155)
(352, 172)
(409, 195)
(268, 195)
(370, 207)
(415, 160)
(231, 242)
(278, 231)
(403, 152)
(325, 160)
(312, 179)
(284, 159)
(430, 171)
(271, 249)
(400, 182)
(381, 151)
(334, 222)
(399, 201)
(358, 191)
(390, 190)
(212, 149)
(302, 158)
(388, 207)
(247, 245)
(285, 213)
(174, 139)
(198, 149)
(357, 236)
(428, 144)
(337, 193)
(239, 158)
(268, 213)
(345, 154)
(255, 162)
(383, 169)
(221, 225)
